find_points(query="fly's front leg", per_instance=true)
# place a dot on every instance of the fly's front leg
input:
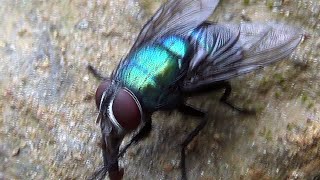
(194, 112)
(143, 132)
(96, 74)
(224, 99)
(102, 171)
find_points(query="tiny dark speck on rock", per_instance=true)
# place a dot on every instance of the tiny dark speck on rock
(88, 97)
(168, 167)
(15, 152)
(245, 18)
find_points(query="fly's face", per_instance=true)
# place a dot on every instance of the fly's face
(119, 113)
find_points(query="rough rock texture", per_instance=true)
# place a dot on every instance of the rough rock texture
(48, 130)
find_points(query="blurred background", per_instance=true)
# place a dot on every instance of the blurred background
(47, 122)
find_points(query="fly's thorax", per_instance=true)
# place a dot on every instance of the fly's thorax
(120, 105)
(177, 45)
(151, 71)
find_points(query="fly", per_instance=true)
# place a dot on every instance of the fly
(177, 54)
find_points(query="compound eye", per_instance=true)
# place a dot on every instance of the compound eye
(102, 87)
(126, 109)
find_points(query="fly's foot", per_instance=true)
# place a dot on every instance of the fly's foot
(185, 143)
(238, 109)
(226, 95)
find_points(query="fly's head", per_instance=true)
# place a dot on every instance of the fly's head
(119, 113)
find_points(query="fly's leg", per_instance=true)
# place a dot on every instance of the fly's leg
(188, 110)
(214, 87)
(194, 112)
(96, 73)
(143, 132)
(224, 99)
(99, 174)
(102, 172)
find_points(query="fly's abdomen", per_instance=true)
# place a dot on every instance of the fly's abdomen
(152, 69)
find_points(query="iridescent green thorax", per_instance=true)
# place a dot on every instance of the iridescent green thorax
(151, 70)
(175, 44)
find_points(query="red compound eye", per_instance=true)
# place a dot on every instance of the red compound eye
(126, 110)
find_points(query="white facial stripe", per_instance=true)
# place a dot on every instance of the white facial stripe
(111, 116)
(100, 106)
(113, 119)
(101, 100)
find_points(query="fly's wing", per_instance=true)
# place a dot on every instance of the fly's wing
(240, 49)
(212, 43)
(175, 17)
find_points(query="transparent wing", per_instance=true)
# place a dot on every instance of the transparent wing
(175, 17)
(212, 44)
(257, 45)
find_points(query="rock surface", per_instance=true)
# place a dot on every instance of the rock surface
(48, 130)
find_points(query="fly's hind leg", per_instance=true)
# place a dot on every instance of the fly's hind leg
(194, 112)
(224, 99)
(214, 87)
(142, 133)
(189, 110)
